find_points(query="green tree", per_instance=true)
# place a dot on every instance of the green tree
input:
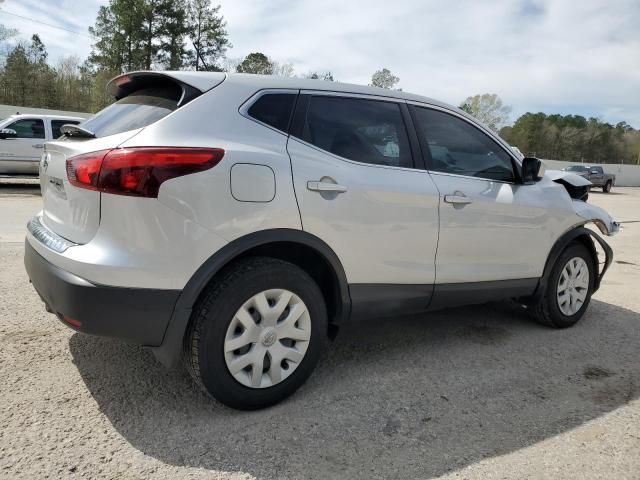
(384, 79)
(16, 72)
(173, 52)
(327, 76)
(119, 34)
(487, 108)
(208, 34)
(257, 63)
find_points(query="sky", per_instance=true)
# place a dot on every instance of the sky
(555, 56)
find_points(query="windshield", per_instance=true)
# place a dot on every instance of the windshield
(137, 110)
(577, 168)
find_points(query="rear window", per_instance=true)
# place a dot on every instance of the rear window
(139, 109)
(274, 109)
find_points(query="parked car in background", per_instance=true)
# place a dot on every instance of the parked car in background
(22, 139)
(236, 221)
(595, 174)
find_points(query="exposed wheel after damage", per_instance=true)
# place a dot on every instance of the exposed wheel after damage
(257, 333)
(569, 288)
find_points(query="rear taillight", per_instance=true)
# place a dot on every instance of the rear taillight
(138, 171)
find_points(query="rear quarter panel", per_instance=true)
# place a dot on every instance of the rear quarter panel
(213, 120)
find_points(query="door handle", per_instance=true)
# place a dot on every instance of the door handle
(326, 187)
(38, 145)
(458, 198)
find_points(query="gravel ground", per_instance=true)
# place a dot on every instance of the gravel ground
(470, 393)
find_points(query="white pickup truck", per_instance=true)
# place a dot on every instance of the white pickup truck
(22, 139)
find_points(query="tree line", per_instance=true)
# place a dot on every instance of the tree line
(132, 35)
(191, 35)
(559, 137)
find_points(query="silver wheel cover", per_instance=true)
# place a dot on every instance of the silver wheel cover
(573, 286)
(267, 338)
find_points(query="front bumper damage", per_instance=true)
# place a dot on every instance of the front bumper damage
(598, 216)
(607, 226)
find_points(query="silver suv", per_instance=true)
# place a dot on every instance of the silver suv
(236, 221)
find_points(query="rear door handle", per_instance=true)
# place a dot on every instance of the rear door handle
(38, 145)
(326, 187)
(458, 198)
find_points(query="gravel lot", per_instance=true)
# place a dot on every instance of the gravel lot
(477, 392)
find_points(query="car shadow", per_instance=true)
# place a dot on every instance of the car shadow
(13, 188)
(407, 397)
(600, 192)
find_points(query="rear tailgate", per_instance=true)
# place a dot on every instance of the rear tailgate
(142, 99)
(71, 212)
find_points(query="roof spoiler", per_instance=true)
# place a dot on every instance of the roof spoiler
(192, 84)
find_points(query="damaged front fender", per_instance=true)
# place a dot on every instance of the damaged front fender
(576, 186)
(599, 217)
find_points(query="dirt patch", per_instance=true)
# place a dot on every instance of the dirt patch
(595, 373)
(484, 334)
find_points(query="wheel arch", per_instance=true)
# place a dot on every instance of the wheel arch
(587, 238)
(296, 246)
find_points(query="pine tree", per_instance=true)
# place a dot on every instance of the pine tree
(207, 34)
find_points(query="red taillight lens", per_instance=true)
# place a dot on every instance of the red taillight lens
(83, 170)
(138, 171)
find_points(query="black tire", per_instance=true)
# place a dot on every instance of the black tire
(204, 341)
(607, 187)
(546, 310)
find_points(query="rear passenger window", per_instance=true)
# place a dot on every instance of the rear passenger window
(274, 109)
(56, 124)
(367, 131)
(458, 147)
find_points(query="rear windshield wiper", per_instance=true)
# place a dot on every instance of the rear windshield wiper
(71, 130)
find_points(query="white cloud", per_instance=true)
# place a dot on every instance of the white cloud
(557, 56)
(545, 55)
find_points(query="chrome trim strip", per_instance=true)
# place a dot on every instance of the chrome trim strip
(47, 237)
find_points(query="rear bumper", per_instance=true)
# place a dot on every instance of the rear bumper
(139, 315)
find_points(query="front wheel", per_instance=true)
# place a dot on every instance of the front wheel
(568, 290)
(607, 187)
(257, 333)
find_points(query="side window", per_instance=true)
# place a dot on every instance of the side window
(274, 109)
(458, 147)
(56, 124)
(367, 131)
(28, 128)
(599, 170)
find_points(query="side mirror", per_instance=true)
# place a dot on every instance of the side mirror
(531, 170)
(8, 133)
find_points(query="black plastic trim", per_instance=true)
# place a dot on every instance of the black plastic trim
(562, 243)
(447, 295)
(296, 126)
(382, 300)
(171, 349)
(138, 315)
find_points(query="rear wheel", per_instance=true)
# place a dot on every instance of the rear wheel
(607, 187)
(257, 333)
(568, 291)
